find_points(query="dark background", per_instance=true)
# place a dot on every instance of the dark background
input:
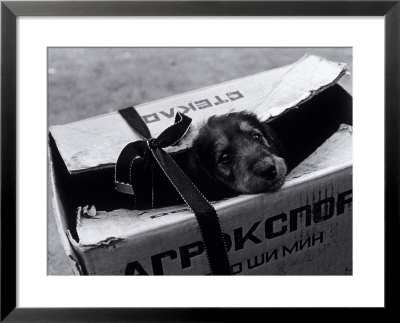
(84, 82)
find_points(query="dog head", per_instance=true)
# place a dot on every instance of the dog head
(240, 153)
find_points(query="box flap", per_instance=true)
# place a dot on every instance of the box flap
(95, 143)
(336, 151)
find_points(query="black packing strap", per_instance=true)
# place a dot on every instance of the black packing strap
(207, 217)
(205, 213)
(135, 121)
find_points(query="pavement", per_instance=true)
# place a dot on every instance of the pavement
(85, 82)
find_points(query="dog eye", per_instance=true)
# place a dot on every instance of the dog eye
(224, 158)
(257, 136)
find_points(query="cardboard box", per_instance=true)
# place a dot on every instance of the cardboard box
(304, 228)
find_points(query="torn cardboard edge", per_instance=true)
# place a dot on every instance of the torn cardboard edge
(67, 240)
(268, 94)
(333, 156)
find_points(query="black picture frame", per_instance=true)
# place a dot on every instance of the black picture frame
(10, 10)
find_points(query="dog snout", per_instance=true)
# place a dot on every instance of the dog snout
(268, 172)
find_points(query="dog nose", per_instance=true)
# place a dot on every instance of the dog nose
(269, 172)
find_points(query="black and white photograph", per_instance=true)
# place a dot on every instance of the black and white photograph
(200, 161)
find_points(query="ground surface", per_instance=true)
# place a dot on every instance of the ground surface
(86, 82)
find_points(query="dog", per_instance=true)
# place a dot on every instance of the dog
(235, 153)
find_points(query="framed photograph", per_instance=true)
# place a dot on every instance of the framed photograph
(210, 143)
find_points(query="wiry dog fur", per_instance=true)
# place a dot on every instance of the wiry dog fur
(236, 153)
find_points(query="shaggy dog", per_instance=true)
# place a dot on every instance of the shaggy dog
(236, 153)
